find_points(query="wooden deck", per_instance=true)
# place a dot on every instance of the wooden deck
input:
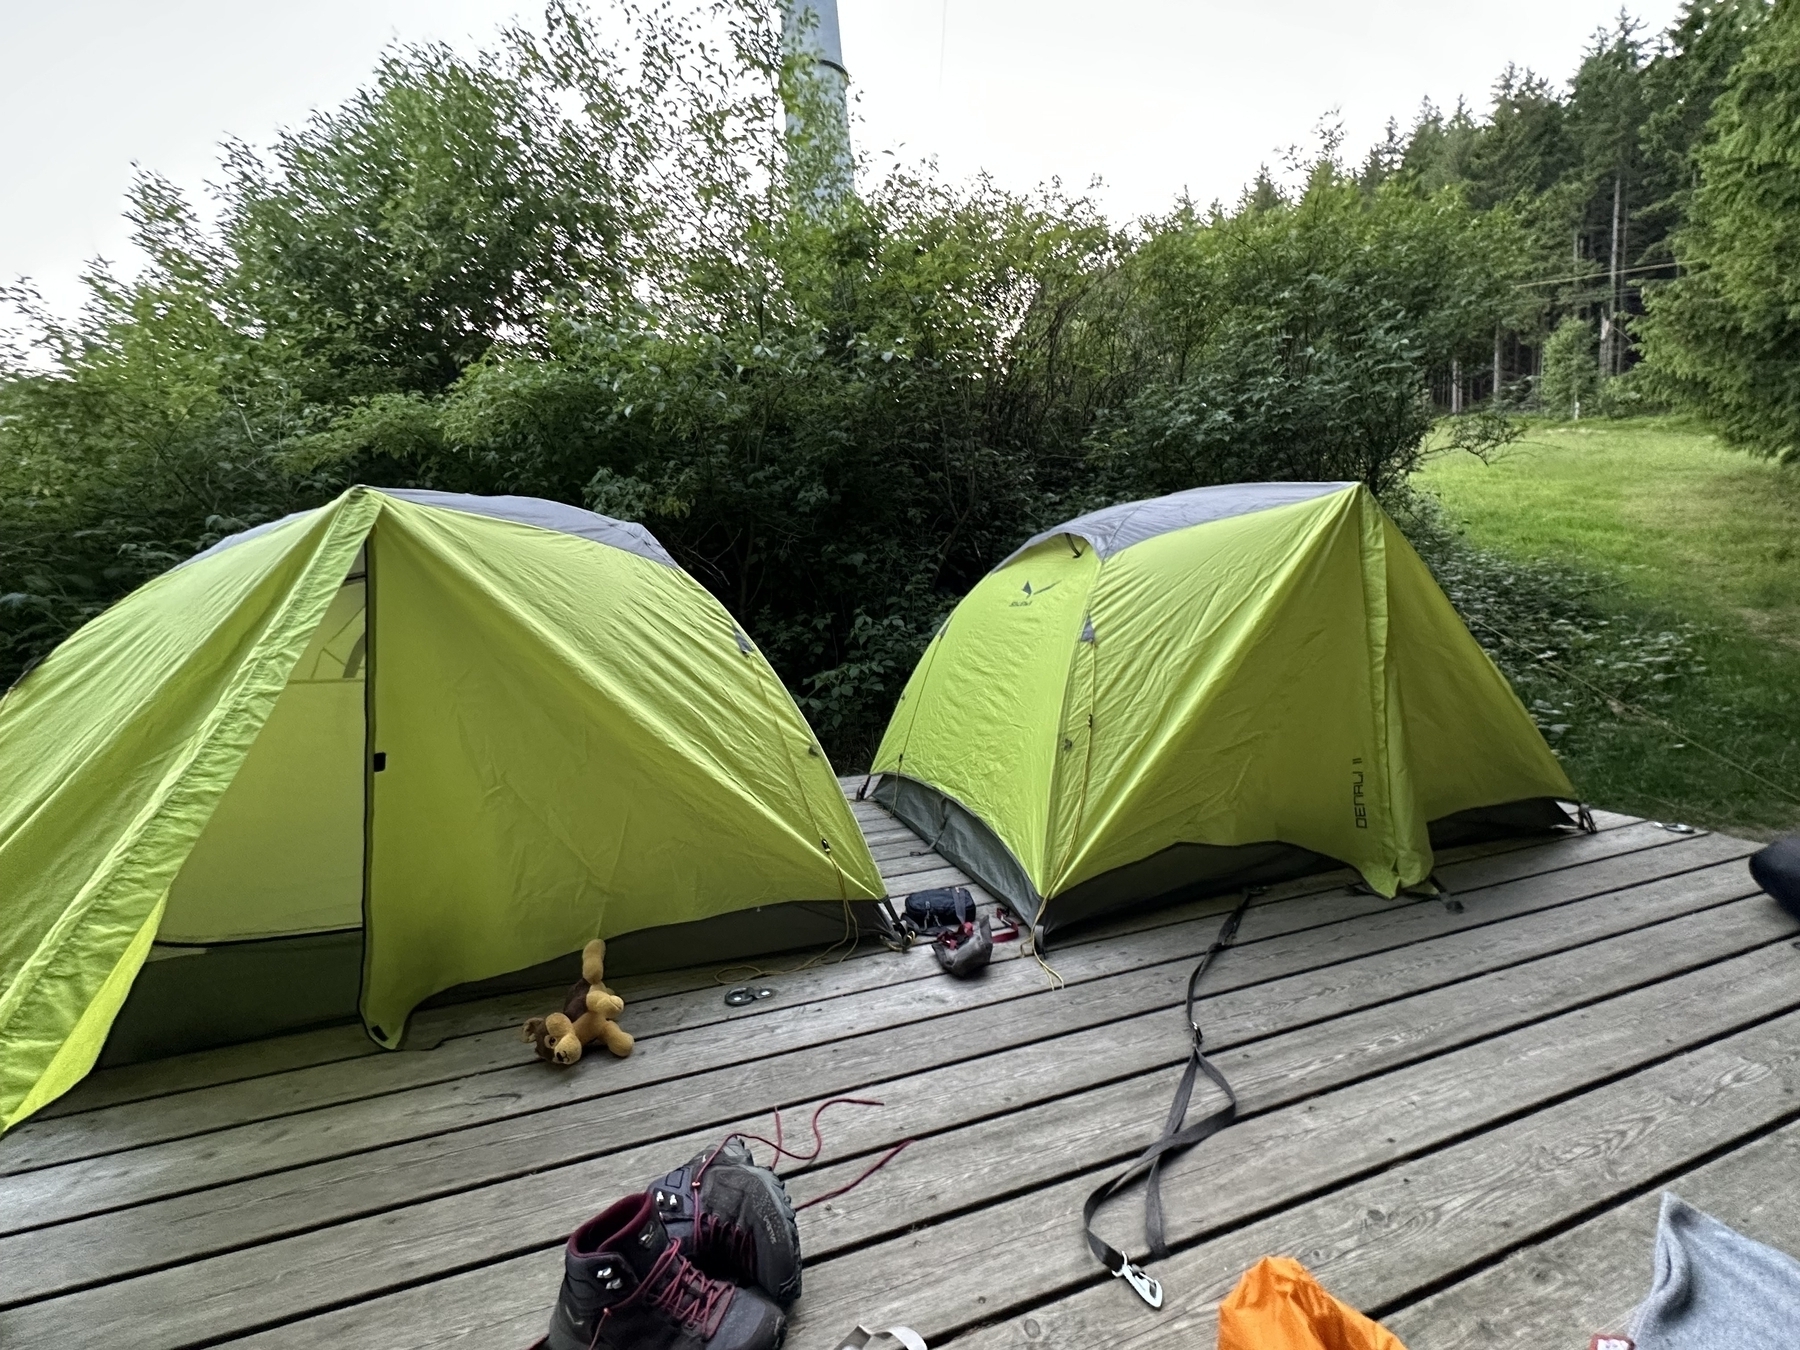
(1460, 1115)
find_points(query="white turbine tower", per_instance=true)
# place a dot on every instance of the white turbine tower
(818, 113)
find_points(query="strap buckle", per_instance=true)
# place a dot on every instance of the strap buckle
(862, 1336)
(1148, 1287)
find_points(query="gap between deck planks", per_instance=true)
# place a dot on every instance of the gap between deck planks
(506, 1215)
(1021, 1147)
(37, 1264)
(267, 1059)
(1587, 1279)
(477, 1302)
(1150, 964)
(907, 986)
(1498, 874)
(894, 847)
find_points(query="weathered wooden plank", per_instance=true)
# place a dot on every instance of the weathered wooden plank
(34, 1264)
(1588, 1280)
(459, 1314)
(915, 859)
(259, 1059)
(1283, 1069)
(141, 1081)
(904, 881)
(1033, 1237)
(1276, 1160)
(891, 857)
(191, 1161)
(1429, 1218)
(878, 835)
(19, 1152)
(1151, 967)
(431, 1026)
(1038, 1143)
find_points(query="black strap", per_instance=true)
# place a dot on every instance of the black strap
(1176, 1138)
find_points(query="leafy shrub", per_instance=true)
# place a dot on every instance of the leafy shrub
(1576, 657)
(1571, 374)
(593, 271)
(1724, 339)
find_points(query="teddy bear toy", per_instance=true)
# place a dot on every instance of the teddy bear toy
(586, 1017)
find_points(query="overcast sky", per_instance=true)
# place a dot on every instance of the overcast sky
(1153, 96)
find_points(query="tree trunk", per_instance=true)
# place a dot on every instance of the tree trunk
(1609, 358)
(1495, 396)
(1455, 387)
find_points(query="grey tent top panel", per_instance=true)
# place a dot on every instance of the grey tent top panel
(545, 515)
(1113, 528)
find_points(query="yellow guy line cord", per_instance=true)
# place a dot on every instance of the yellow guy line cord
(847, 942)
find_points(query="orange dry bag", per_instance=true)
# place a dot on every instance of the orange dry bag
(1278, 1305)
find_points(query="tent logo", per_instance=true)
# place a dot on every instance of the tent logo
(1031, 595)
(1358, 807)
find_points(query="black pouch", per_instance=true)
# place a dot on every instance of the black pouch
(931, 912)
(1777, 870)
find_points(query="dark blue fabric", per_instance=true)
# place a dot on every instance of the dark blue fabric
(943, 907)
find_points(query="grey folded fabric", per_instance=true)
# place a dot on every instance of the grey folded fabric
(1715, 1289)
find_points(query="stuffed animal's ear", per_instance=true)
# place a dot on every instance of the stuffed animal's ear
(532, 1029)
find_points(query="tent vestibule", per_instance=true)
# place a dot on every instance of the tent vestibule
(403, 744)
(1208, 690)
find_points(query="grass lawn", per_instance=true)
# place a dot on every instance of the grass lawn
(1647, 582)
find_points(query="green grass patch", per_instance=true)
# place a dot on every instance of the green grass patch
(1640, 584)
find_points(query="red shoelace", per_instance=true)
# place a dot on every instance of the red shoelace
(781, 1151)
(675, 1286)
(717, 1237)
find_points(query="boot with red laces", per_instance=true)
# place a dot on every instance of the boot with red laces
(733, 1219)
(628, 1286)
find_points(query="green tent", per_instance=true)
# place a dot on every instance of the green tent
(1217, 687)
(405, 742)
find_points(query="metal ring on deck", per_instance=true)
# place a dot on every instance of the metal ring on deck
(744, 995)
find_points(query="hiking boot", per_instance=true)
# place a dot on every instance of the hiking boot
(627, 1286)
(744, 1230)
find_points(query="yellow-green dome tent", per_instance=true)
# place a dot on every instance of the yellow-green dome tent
(403, 742)
(1217, 687)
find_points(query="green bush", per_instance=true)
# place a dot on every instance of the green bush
(1724, 339)
(560, 271)
(1571, 374)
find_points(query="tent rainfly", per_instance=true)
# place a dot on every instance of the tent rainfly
(1210, 689)
(404, 742)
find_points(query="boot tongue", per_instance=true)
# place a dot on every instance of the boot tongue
(641, 1242)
